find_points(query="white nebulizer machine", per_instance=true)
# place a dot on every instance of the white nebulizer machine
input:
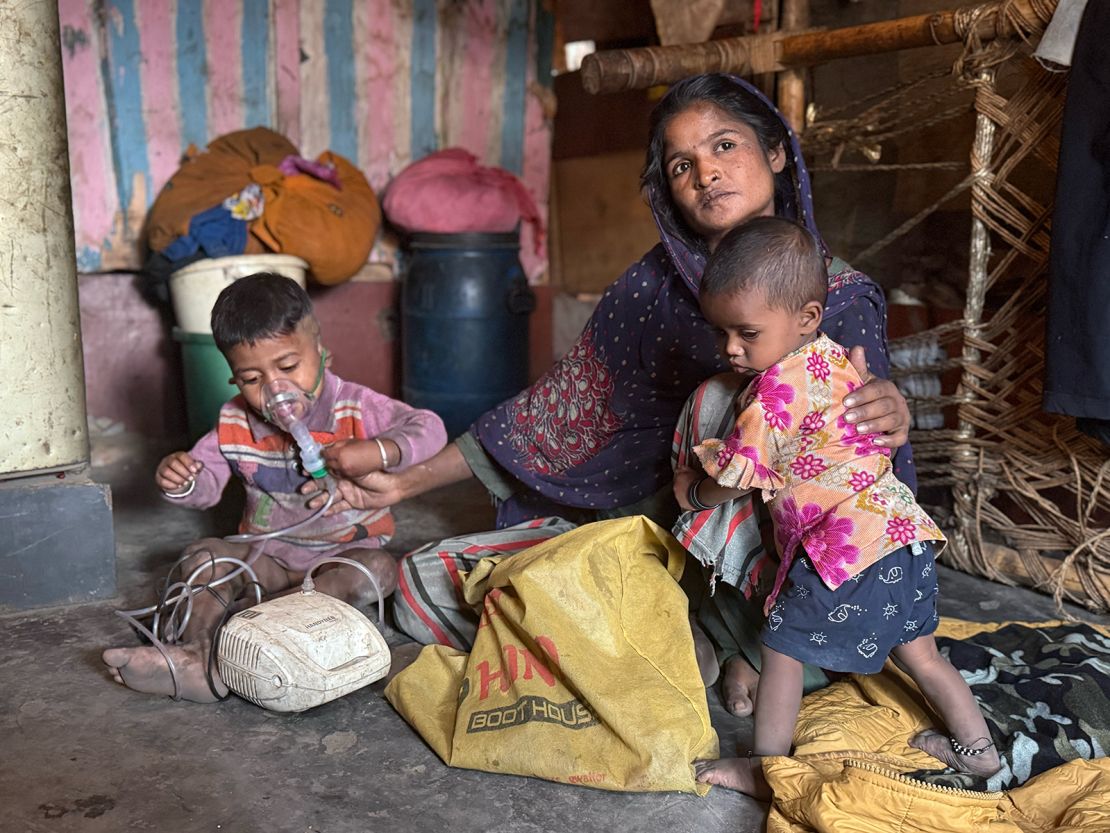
(298, 651)
(294, 652)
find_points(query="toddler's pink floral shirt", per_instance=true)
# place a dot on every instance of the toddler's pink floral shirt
(830, 489)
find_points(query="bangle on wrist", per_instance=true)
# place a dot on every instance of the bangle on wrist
(188, 491)
(692, 495)
(381, 450)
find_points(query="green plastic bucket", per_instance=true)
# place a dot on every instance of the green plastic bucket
(206, 380)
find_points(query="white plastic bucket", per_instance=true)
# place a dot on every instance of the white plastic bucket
(194, 288)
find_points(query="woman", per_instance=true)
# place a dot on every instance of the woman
(592, 438)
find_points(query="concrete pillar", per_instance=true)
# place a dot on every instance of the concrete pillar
(55, 525)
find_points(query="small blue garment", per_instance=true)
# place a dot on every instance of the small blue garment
(214, 232)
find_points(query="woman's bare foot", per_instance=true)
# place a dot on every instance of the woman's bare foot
(742, 774)
(739, 686)
(938, 745)
(144, 669)
(708, 666)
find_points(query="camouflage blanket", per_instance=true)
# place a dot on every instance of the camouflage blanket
(1045, 691)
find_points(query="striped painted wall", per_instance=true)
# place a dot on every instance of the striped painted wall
(381, 82)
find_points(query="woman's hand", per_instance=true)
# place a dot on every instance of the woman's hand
(878, 407)
(380, 489)
(376, 490)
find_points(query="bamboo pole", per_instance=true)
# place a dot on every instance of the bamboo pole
(980, 254)
(792, 82)
(631, 69)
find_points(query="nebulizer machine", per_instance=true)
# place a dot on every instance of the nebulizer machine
(293, 652)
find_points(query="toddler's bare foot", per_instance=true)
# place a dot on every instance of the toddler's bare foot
(940, 748)
(739, 684)
(742, 774)
(144, 669)
(708, 666)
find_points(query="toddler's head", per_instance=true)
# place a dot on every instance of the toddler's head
(764, 291)
(264, 326)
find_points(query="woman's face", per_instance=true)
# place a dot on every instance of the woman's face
(719, 174)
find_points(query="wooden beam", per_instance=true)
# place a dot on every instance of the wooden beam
(1043, 573)
(628, 69)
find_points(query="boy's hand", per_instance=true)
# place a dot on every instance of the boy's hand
(176, 471)
(352, 458)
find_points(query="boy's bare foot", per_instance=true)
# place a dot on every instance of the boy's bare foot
(144, 669)
(708, 666)
(349, 584)
(742, 774)
(739, 684)
(940, 748)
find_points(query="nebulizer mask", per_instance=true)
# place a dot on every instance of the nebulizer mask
(297, 651)
(286, 406)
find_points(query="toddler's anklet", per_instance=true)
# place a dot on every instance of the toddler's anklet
(968, 751)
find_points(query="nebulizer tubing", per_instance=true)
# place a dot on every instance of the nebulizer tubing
(187, 591)
(309, 586)
(286, 406)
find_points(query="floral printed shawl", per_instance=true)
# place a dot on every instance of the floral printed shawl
(595, 431)
(829, 488)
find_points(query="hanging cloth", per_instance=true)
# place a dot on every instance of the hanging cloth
(1077, 340)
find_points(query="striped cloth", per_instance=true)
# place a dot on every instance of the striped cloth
(429, 606)
(727, 541)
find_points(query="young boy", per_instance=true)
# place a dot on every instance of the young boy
(856, 580)
(264, 326)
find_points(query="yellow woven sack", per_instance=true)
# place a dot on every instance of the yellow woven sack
(583, 669)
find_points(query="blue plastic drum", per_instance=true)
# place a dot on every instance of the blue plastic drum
(465, 304)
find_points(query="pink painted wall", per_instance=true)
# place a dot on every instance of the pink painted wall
(132, 366)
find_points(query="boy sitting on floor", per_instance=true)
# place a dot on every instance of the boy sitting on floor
(265, 327)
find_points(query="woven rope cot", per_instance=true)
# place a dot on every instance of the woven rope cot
(1031, 494)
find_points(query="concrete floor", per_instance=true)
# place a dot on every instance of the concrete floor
(83, 754)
